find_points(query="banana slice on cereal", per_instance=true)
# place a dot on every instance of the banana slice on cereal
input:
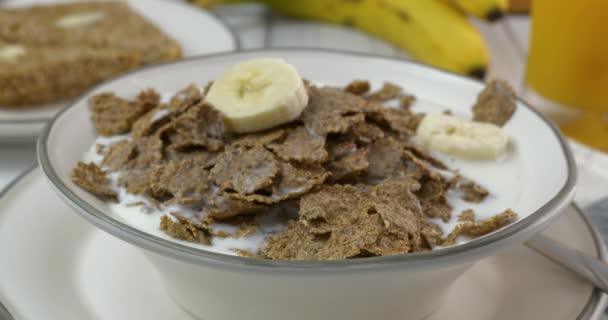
(460, 138)
(258, 94)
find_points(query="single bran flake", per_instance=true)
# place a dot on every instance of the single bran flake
(91, 178)
(472, 192)
(478, 229)
(495, 104)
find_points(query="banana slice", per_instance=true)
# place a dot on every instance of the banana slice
(10, 53)
(462, 139)
(259, 94)
(80, 19)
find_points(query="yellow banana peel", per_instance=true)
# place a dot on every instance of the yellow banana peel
(431, 31)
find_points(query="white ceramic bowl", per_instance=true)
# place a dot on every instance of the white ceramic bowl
(215, 286)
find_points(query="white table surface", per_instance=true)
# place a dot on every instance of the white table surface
(257, 28)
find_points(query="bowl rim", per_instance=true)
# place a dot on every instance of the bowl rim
(199, 256)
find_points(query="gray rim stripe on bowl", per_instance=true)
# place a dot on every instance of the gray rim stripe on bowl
(192, 255)
(211, 14)
(593, 308)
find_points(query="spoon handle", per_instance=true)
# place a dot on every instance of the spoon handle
(4, 314)
(586, 266)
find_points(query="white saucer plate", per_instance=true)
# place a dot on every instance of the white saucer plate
(199, 32)
(54, 265)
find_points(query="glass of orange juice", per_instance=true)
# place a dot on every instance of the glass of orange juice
(567, 71)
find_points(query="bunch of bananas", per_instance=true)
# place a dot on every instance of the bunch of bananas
(436, 32)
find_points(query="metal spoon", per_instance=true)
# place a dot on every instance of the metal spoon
(4, 314)
(584, 265)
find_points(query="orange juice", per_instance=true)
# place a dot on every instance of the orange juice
(568, 63)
